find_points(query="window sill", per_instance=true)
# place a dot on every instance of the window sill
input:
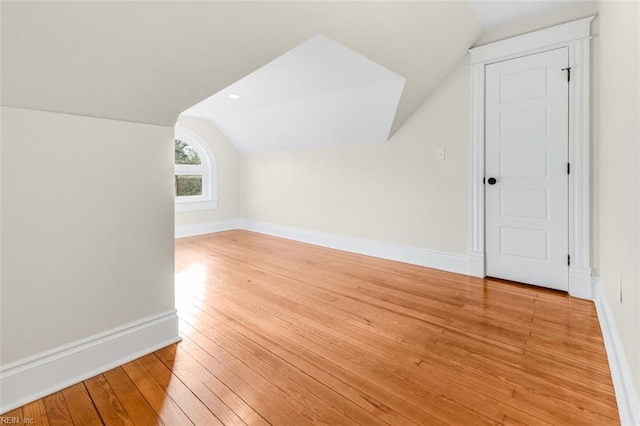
(189, 206)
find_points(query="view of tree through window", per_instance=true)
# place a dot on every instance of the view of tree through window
(187, 184)
(185, 154)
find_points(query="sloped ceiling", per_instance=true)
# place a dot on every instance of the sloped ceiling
(148, 61)
(319, 93)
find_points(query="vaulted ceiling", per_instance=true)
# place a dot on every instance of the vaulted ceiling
(317, 94)
(148, 61)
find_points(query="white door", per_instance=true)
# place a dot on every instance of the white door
(526, 152)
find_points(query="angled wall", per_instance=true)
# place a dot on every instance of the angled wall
(87, 248)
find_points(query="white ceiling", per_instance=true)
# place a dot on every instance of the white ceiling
(318, 93)
(147, 61)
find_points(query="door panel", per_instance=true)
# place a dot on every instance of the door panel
(524, 203)
(525, 124)
(526, 152)
(524, 163)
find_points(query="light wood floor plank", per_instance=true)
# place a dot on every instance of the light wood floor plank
(394, 380)
(155, 394)
(184, 365)
(377, 400)
(134, 402)
(106, 401)
(432, 380)
(81, 407)
(196, 385)
(16, 415)
(452, 375)
(188, 402)
(327, 405)
(304, 404)
(282, 333)
(258, 393)
(57, 410)
(36, 413)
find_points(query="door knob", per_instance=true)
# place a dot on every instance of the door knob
(492, 181)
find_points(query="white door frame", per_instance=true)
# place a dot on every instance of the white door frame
(576, 36)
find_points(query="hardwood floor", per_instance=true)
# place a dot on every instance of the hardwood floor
(283, 333)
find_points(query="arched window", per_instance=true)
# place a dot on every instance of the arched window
(195, 186)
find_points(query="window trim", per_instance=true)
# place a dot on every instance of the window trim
(209, 198)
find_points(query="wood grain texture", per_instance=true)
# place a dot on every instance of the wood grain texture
(57, 410)
(81, 407)
(36, 413)
(279, 332)
(106, 401)
(154, 392)
(133, 401)
(12, 415)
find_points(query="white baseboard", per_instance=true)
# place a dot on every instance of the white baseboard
(476, 264)
(182, 231)
(580, 283)
(40, 375)
(407, 254)
(626, 396)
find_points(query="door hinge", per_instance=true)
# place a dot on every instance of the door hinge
(568, 168)
(569, 259)
(483, 181)
(568, 70)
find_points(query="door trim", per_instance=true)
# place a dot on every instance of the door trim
(576, 36)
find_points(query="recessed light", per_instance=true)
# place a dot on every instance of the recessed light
(234, 96)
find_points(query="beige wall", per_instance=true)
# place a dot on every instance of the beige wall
(227, 175)
(87, 230)
(618, 160)
(393, 192)
(559, 16)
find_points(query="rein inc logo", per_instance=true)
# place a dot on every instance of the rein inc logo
(6, 420)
